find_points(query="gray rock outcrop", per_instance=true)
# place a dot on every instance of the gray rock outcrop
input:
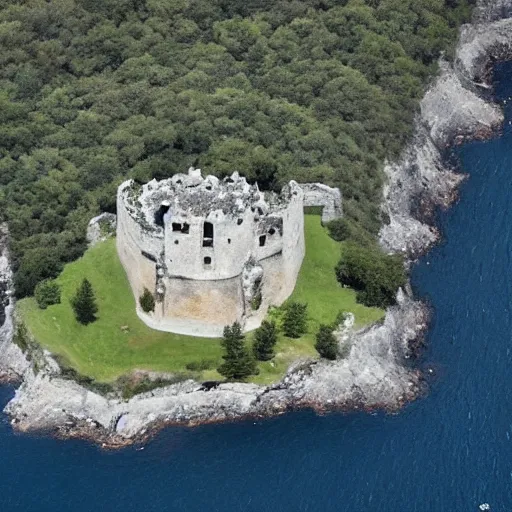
(456, 106)
(13, 364)
(372, 375)
(101, 227)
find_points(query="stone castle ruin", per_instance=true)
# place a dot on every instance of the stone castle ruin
(213, 251)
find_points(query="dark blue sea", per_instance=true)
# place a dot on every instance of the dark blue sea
(449, 451)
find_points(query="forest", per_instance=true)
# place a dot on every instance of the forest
(93, 92)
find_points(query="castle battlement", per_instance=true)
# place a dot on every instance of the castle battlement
(211, 251)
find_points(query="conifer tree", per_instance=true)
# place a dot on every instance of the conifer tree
(326, 343)
(84, 303)
(295, 320)
(265, 338)
(238, 361)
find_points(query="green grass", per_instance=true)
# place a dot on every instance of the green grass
(119, 342)
(102, 349)
(316, 286)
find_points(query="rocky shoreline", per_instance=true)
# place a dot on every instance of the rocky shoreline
(376, 373)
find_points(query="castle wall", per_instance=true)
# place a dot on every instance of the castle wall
(200, 308)
(294, 247)
(280, 270)
(273, 243)
(259, 250)
(274, 290)
(131, 241)
(232, 243)
(317, 194)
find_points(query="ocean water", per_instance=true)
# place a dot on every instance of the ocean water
(449, 451)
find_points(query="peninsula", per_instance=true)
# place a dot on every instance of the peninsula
(375, 372)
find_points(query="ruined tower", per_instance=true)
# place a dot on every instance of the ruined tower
(211, 251)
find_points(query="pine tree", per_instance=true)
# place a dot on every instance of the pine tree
(238, 362)
(84, 303)
(326, 343)
(265, 338)
(295, 320)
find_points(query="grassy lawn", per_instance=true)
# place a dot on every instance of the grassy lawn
(316, 286)
(119, 342)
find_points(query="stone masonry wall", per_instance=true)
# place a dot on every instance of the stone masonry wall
(199, 297)
(317, 194)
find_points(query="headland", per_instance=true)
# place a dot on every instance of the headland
(376, 373)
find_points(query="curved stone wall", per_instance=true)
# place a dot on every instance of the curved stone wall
(201, 282)
(138, 251)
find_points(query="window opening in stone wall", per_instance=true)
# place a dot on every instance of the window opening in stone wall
(176, 242)
(176, 226)
(229, 240)
(239, 221)
(159, 214)
(271, 231)
(207, 260)
(207, 234)
(263, 239)
(185, 229)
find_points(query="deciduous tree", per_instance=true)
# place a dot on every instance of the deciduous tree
(47, 293)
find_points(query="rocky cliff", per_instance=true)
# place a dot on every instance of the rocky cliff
(374, 373)
(13, 364)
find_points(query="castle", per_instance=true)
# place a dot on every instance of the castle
(213, 251)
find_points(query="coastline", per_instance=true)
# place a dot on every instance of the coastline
(376, 373)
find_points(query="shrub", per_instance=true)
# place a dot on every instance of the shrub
(199, 366)
(130, 389)
(295, 319)
(68, 372)
(147, 301)
(374, 275)
(257, 296)
(36, 266)
(256, 301)
(21, 337)
(346, 230)
(84, 303)
(265, 338)
(326, 343)
(47, 293)
(238, 362)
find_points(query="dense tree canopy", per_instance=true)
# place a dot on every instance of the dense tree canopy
(95, 91)
(374, 275)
